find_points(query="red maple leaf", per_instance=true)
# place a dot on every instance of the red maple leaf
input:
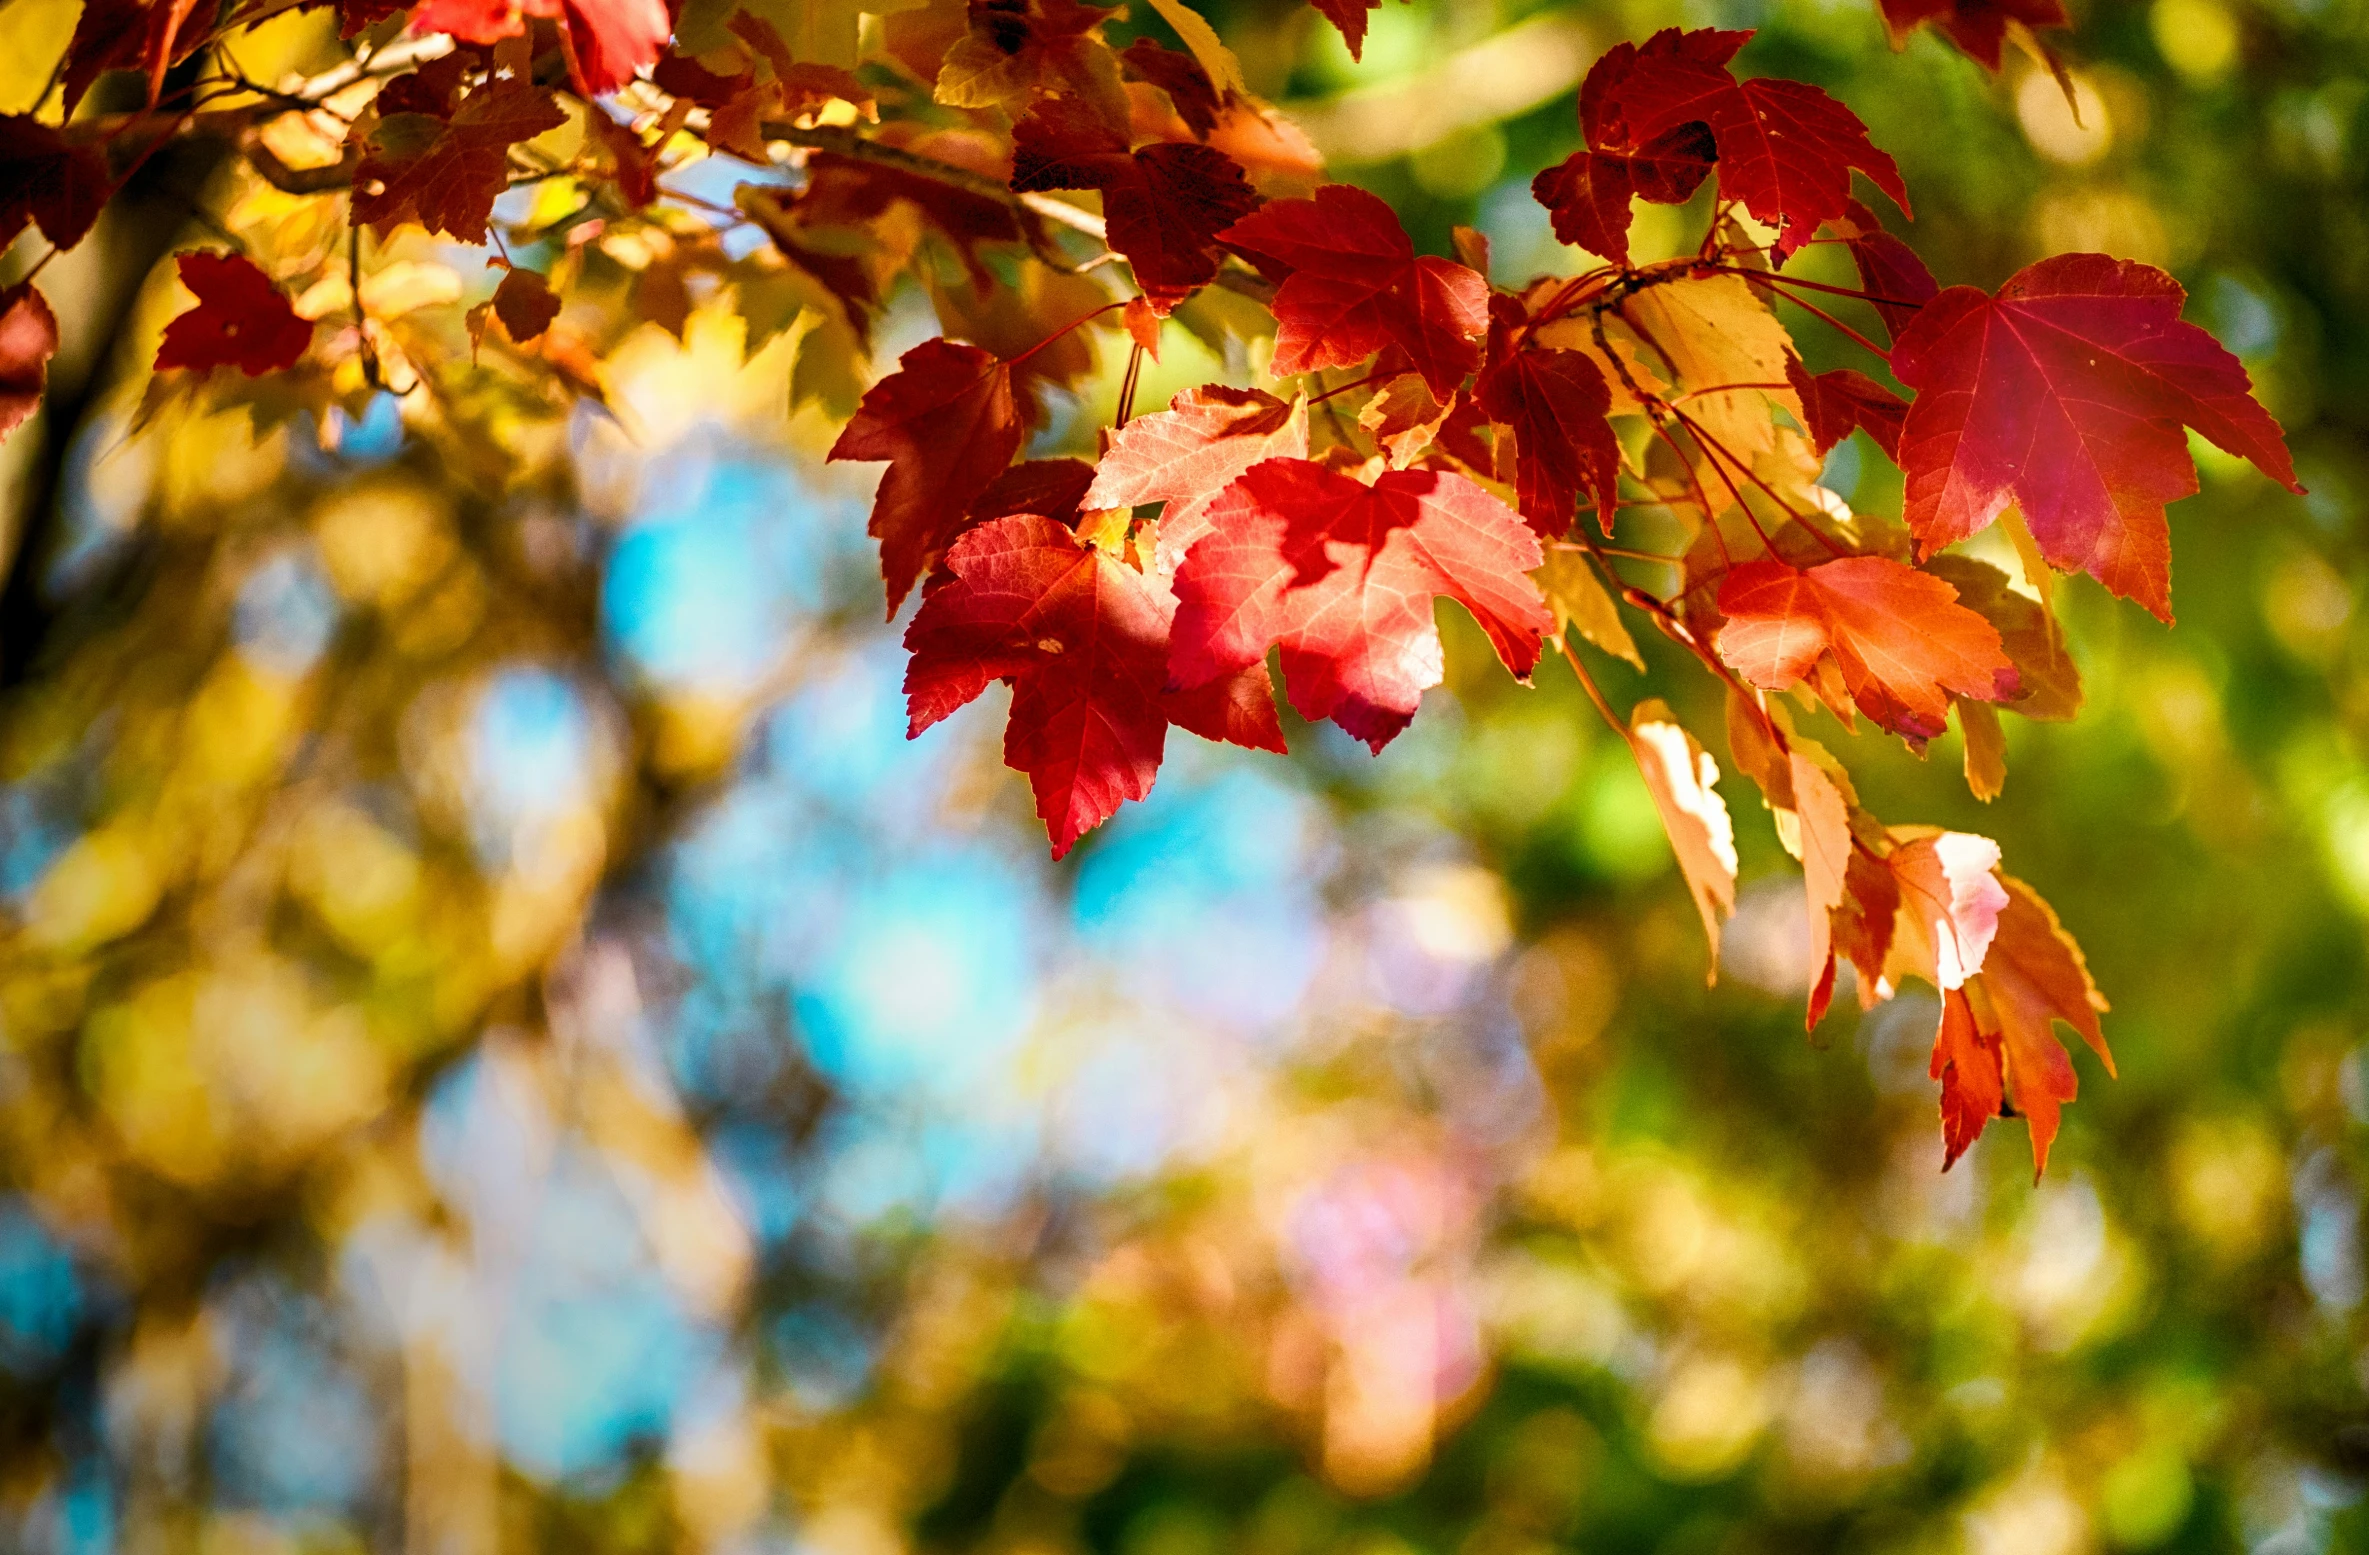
(1833, 403)
(525, 304)
(1352, 283)
(1186, 455)
(1588, 193)
(1978, 27)
(28, 339)
(1785, 148)
(2003, 1048)
(1049, 488)
(149, 36)
(1083, 640)
(241, 320)
(1556, 403)
(1350, 16)
(1895, 278)
(609, 41)
(948, 425)
(2066, 395)
(1194, 96)
(48, 179)
(1902, 641)
(1341, 576)
(1163, 206)
(446, 173)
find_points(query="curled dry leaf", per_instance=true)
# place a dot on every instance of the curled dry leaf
(1682, 778)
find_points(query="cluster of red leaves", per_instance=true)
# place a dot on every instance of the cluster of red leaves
(1148, 589)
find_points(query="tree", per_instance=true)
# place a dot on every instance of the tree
(2058, 404)
(1418, 428)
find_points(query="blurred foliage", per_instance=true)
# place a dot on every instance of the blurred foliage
(503, 1046)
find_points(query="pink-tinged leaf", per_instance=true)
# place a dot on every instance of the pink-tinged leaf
(241, 320)
(610, 41)
(1902, 642)
(28, 339)
(1351, 283)
(1341, 576)
(1951, 899)
(1822, 819)
(1185, 455)
(2066, 395)
(948, 425)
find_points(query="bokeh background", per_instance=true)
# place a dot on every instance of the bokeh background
(504, 1046)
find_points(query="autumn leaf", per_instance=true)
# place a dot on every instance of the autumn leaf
(1049, 488)
(525, 304)
(1977, 27)
(1715, 332)
(1682, 778)
(1186, 455)
(1163, 206)
(28, 339)
(1341, 575)
(2065, 394)
(1896, 280)
(241, 319)
(148, 37)
(50, 180)
(1785, 148)
(2049, 681)
(610, 41)
(2033, 977)
(1588, 193)
(1189, 89)
(1966, 1062)
(1556, 403)
(1083, 639)
(1350, 16)
(1835, 403)
(947, 423)
(1018, 51)
(1950, 901)
(1820, 836)
(1351, 283)
(446, 174)
(1903, 643)
(1575, 597)
(1403, 419)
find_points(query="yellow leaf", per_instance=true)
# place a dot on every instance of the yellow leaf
(1579, 599)
(1986, 750)
(1713, 331)
(1224, 69)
